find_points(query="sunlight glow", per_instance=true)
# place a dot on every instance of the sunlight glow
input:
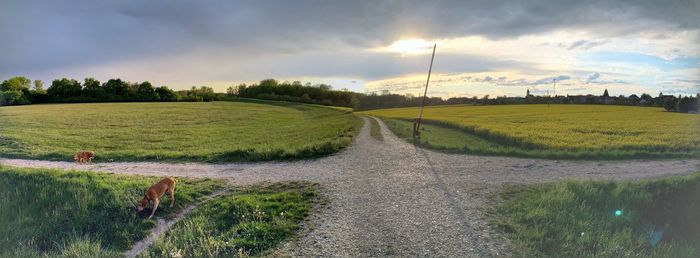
(410, 47)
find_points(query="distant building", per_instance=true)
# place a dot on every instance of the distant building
(606, 99)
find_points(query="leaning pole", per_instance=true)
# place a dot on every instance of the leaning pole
(416, 126)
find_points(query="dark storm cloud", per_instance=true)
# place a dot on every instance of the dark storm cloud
(46, 35)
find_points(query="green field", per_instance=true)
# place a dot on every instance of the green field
(556, 131)
(79, 214)
(581, 219)
(212, 132)
(250, 221)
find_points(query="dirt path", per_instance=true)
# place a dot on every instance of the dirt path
(391, 199)
(163, 226)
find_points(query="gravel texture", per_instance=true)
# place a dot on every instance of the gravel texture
(390, 198)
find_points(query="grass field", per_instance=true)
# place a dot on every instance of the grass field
(248, 222)
(580, 219)
(79, 214)
(212, 132)
(556, 131)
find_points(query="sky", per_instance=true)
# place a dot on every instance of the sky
(485, 47)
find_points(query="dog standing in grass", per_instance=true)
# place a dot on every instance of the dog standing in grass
(84, 156)
(155, 192)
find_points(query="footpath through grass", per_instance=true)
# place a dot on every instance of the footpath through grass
(46, 212)
(375, 130)
(248, 222)
(656, 218)
(556, 131)
(209, 132)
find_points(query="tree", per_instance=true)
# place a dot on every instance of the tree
(268, 82)
(325, 87)
(146, 92)
(646, 99)
(64, 88)
(116, 87)
(166, 94)
(236, 90)
(669, 103)
(13, 97)
(39, 86)
(605, 94)
(16, 84)
(688, 104)
(92, 88)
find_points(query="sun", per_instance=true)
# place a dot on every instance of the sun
(410, 46)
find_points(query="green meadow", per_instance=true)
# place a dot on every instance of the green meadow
(203, 131)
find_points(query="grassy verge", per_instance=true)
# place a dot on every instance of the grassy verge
(208, 132)
(449, 138)
(249, 222)
(375, 131)
(58, 213)
(603, 219)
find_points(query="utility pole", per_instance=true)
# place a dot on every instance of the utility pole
(416, 126)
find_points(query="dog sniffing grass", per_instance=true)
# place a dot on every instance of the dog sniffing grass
(54, 213)
(658, 218)
(247, 222)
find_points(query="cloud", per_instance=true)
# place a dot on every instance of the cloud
(46, 34)
(586, 44)
(592, 77)
(550, 80)
(179, 42)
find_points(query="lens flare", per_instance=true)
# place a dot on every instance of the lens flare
(618, 213)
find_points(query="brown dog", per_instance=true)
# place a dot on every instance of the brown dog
(155, 192)
(84, 156)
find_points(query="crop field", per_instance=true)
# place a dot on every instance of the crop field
(46, 212)
(656, 218)
(211, 132)
(557, 131)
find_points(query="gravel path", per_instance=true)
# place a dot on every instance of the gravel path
(390, 198)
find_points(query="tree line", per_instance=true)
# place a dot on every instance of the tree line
(22, 91)
(271, 89)
(669, 102)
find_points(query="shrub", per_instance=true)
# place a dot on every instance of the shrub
(13, 98)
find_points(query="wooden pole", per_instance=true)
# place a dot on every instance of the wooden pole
(425, 93)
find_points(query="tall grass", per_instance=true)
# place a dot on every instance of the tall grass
(557, 131)
(578, 218)
(249, 222)
(210, 132)
(53, 212)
